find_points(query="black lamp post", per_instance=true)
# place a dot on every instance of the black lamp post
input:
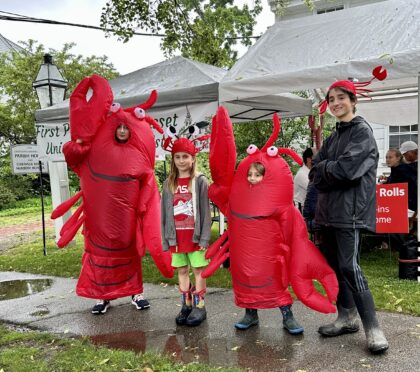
(50, 88)
(49, 84)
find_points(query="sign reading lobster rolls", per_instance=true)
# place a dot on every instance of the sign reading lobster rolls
(392, 208)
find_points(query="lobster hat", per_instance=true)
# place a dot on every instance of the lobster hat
(357, 88)
(184, 145)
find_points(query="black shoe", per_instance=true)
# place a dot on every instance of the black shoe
(181, 318)
(140, 302)
(101, 307)
(197, 315)
(250, 319)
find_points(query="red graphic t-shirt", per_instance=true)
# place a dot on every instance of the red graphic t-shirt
(184, 218)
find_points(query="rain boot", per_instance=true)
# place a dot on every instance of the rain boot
(186, 302)
(376, 340)
(250, 319)
(346, 321)
(198, 313)
(289, 322)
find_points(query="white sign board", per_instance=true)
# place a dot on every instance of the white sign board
(179, 118)
(50, 140)
(25, 159)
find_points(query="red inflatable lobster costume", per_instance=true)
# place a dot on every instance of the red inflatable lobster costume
(267, 237)
(120, 212)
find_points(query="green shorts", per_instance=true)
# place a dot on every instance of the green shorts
(193, 259)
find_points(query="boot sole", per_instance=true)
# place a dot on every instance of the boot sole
(244, 327)
(379, 350)
(195, 323)
(341, 331)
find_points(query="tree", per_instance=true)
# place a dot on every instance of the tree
(17, 72)
(19, 103)
(205, 31)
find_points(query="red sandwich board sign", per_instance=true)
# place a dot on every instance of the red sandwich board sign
(392, 208)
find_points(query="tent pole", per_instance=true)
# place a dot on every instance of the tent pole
(418, 189)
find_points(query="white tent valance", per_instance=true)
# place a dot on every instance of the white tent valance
(180, 82)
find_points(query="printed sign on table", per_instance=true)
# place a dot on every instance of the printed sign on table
(392, 208)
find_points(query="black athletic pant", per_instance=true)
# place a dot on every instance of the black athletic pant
(341, 248)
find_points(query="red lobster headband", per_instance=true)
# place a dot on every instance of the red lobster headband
(357, 88)
(175, 143)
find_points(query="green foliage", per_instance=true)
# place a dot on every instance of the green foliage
(295, 133)
(205, 31)
(15, 187)
(17, 72)
(17, 120)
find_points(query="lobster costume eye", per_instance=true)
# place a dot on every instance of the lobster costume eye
(139, 113)
(193, 130)
(115, 107)
(171, 132)
(252, 149)
(272, 151)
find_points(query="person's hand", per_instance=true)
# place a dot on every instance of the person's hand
(382, 179)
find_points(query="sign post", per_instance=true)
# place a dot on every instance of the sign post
(50, 140)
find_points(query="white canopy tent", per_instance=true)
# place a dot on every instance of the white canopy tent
(179, 82)
(311, 53)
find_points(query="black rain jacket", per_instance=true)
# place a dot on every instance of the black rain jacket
(344, 172)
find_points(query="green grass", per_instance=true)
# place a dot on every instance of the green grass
(25, 211)
(36, 351)
(66, 263)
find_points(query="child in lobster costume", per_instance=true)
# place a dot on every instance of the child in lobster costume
(112, 150)
(266, 237)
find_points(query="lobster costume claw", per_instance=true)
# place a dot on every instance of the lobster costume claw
(86, 116)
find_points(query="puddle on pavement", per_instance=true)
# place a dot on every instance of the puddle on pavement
(21, 288)
(188, 345)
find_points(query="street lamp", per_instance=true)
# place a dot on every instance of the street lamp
(49, 84)
(50, 88)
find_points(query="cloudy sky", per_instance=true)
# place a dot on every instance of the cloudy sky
(139, 52)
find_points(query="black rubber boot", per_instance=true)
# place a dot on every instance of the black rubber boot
(250, 319)
(289, 322)
(181, 318)
(346, 321)
(198, 313)
(376, 340)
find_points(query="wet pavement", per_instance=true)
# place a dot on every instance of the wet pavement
(266, 347)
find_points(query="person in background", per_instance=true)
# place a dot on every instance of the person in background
(409, 150)
(301, 180)
(402, 173)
